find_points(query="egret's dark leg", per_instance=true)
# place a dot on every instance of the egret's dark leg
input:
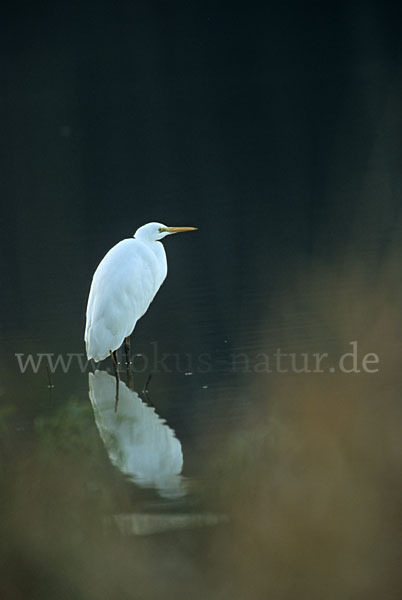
(116, 372)
(127, 346)
(145, 391)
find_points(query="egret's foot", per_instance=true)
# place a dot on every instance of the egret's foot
(117, 374)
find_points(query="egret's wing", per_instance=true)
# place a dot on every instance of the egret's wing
(123, 286)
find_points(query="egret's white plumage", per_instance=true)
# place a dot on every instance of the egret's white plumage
(123, 287)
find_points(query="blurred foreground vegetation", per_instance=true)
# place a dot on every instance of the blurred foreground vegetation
(311, 485)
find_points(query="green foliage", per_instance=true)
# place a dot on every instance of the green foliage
(69, 429)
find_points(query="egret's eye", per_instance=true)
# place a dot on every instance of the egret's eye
(160, 229)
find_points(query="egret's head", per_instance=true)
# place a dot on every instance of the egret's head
(156, 231)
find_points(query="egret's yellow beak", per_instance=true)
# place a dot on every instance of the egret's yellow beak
(178, 229)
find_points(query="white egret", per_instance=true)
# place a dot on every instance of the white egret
(123, 286)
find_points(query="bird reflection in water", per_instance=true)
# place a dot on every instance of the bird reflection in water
(139, 443)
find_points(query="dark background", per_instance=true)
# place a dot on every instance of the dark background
(275, 128)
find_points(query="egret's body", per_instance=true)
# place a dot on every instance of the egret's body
(123, 286)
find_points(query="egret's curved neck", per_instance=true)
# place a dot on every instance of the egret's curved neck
(145, 236)
(155, 246)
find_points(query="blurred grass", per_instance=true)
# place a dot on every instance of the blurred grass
(311, 484)
(313, 487)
